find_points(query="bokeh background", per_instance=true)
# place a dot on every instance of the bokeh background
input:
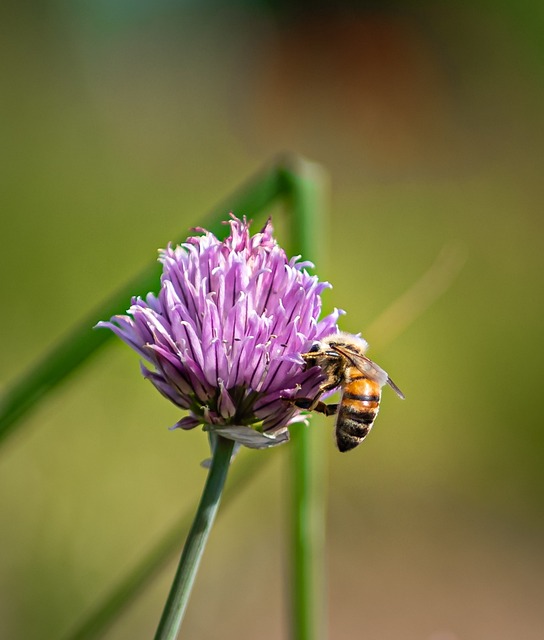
(122, 124)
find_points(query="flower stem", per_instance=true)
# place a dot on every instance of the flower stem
(180, 591)
(151, 563)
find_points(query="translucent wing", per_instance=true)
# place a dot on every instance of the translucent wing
(367, 368)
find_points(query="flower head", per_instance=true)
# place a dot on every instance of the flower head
(224, 334)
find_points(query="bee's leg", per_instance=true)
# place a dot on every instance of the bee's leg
(304, 403)
(308, 403)
(316, 405)
(327, 409)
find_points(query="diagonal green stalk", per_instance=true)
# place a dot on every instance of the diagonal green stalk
(260, 191)
(308, 459)
(191, 556)
(275, 181)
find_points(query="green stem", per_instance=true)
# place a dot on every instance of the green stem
(308, 458)
(196, 541)
(126, 591)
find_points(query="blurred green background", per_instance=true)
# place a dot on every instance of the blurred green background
(122, 124)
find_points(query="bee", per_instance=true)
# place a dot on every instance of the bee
(342, 359)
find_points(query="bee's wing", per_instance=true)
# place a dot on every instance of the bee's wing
(395, 388)
(369, 369)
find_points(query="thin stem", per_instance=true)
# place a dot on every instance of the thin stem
(308, 457)
(149, 566)
(403, 311)
(191, 556)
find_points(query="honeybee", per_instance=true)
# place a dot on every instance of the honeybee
(342, 359)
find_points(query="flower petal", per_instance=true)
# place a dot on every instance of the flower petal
(186, 423)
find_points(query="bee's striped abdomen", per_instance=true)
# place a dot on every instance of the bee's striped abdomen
(357, 411)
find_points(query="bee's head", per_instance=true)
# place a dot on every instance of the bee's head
(310, 361)
(347, 341)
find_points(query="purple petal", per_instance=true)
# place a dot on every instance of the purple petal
(186, 423)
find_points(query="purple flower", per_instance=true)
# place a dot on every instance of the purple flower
(224, 335)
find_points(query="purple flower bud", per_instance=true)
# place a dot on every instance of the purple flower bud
(224, 335)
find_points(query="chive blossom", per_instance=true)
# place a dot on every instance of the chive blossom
(222, 340)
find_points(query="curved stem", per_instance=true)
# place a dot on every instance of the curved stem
(308, 453)
(191, 556)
